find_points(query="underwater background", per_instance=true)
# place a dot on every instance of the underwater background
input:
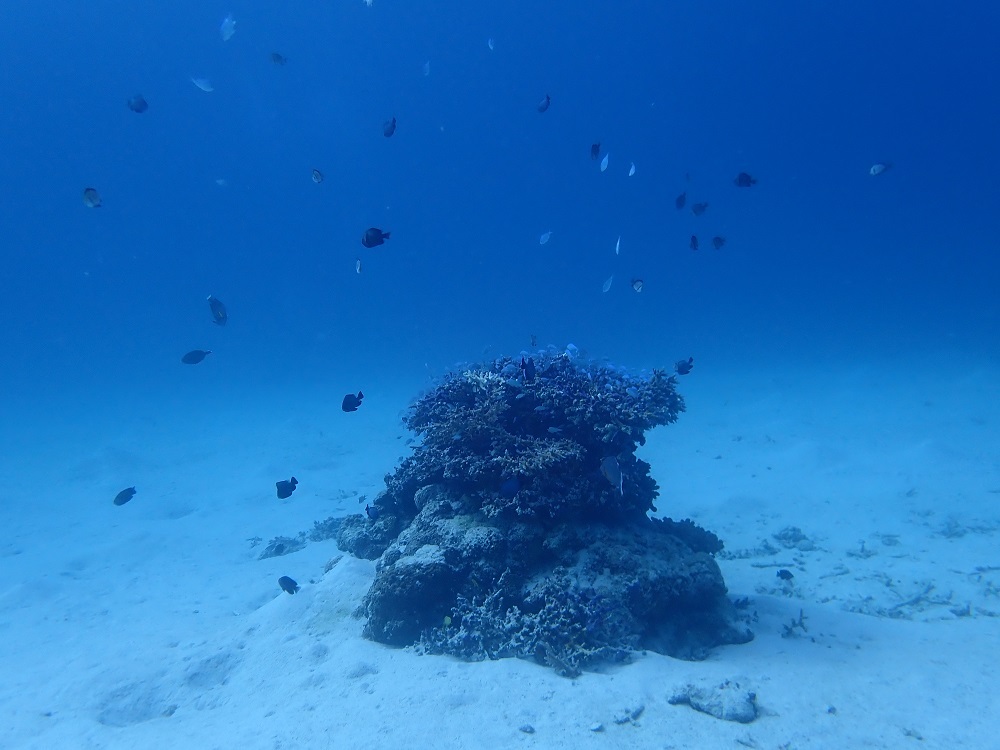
(823, 262)
(842, 408)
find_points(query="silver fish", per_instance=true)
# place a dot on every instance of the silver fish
(91, 198)
(228, 28)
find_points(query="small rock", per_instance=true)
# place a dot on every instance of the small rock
(527, 728)
(725, 701)
(598, 727)
(629, 714)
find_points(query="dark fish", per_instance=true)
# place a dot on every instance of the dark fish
(544, 103)
(612, 471)
(684, 366)
(718, 242)
(278, 59)
(374, 237)
(124, 496)
(785, 575)
(744, 180)
(389, 127)
(137, 104)
(371, 511)
(317, 176)
(194, 356)
(694, 242)
(219, 315)
(699, 208)
(528, 368)
(534, 341)
(352, 402)
(595, 150)
(286, 487)
(680, 200)
(91, 198)
(637, 285)
(288, 585)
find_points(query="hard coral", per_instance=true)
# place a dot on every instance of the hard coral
(518, 526)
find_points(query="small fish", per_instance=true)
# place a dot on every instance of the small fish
(694, 242)
(91, 198)
(699, 208)
(374, 237)
(718, 242)
(124, 496)
(219, 315)
(637, 285)
(785, 575)
(612, 471)
(607, 284)
(618, 245)
(278, 59)
(683, 366)
(546, 236)
(595, 150)
(544, 103)
(228, 28)
(194, 356)
(352, 402)
(389, 127)
(528, 369)
(285, 487)
(680, 200)
(490, 43)
(554, 430)
(137, 103)
(631, 169)
(288, 585)
(744, 180)
(317, 176)
(357, 266)
(879, 168)
(204, 84)
(604, 162)
(427, 68)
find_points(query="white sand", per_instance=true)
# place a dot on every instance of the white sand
(155, 625)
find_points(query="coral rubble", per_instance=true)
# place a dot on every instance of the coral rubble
(519, 526)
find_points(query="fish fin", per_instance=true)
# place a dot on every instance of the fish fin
(385, 235)
(360, 395)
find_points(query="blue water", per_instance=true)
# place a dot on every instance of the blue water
(825, 269)
(822, 260)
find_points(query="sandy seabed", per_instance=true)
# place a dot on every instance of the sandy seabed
(156, 625)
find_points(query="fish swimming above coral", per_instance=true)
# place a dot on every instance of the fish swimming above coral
(285, 487)
(351, 402)
(195, 356)
(124, 496)
(374, 237)
(219, 315)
